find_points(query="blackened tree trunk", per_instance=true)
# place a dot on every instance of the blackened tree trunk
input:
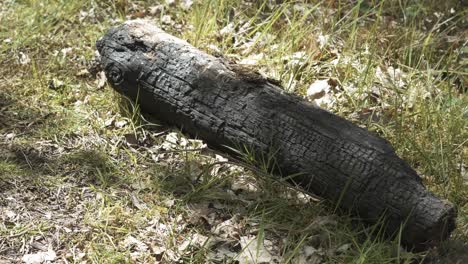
(228, 106)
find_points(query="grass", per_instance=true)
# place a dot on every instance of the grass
(72, 178)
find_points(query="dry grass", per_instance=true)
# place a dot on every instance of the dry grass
(84, 178)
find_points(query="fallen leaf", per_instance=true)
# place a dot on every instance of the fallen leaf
(323, 40)
(55, 84)
(24, 58)
(318, 89)
(137, 203)
(309, 255)
(131, 242)
(252, 59)
(155, 10)
(10, 214)
(101, 80)
(166, 19)
(253, 251)
(186, 4)
(223, 249)
(109, 122)
(228, 229)
(228, 30)
(343, 248)
(65, 51)
(39, 257)
(169, 203)
(10, 136)
(131, 139)
(82, 73)
(121, 123)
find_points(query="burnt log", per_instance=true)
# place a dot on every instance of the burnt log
(227, 105)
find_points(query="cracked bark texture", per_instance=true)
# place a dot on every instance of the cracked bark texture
(209, 99)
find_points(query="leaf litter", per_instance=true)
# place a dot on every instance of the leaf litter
(47, 217)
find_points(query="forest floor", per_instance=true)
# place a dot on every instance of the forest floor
(83, 179)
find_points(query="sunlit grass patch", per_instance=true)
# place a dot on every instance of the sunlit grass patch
(136, 191)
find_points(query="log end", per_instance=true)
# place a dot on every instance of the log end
(433, 223)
